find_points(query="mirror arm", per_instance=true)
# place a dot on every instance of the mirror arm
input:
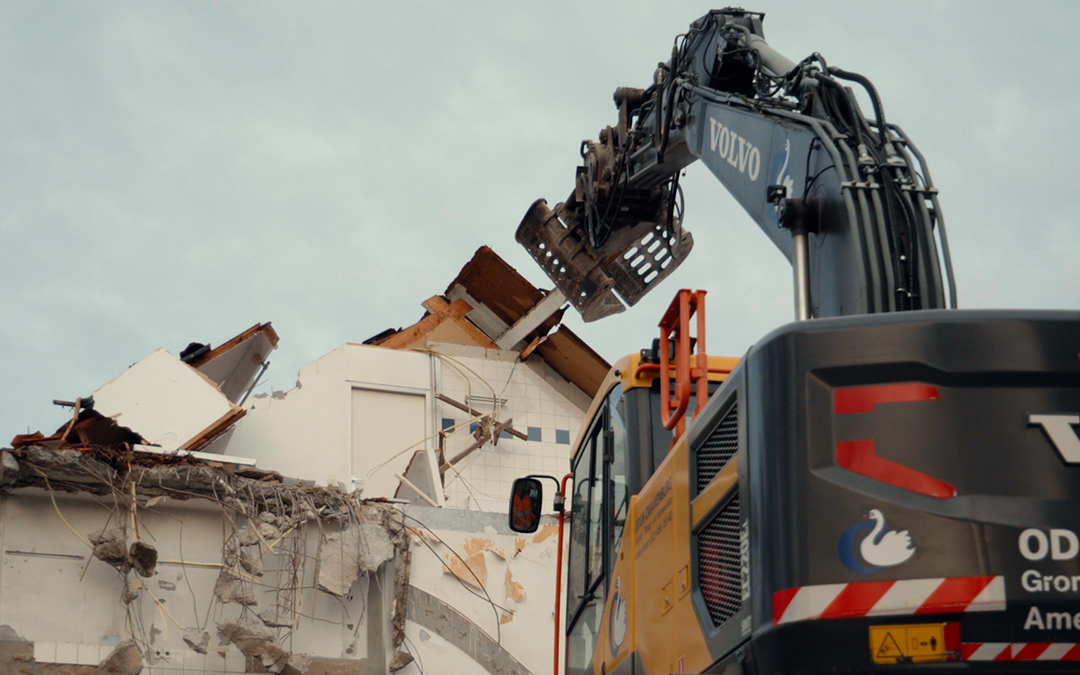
(557, 501)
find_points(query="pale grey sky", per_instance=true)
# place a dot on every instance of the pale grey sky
(173, 172)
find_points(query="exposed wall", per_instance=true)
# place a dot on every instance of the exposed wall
(358, 414)
(538, 400)
(309, 432)
(69, 606)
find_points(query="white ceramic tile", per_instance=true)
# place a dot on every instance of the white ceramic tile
(67, 652)
(45, 652)
(87, 655)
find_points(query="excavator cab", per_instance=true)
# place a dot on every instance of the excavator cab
(857, 495)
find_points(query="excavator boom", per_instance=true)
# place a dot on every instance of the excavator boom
(846, 198)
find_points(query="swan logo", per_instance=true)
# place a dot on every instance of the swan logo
(617, 625)
(780, 174)
(879, 548)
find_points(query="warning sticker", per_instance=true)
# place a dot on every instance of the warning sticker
(921, 643)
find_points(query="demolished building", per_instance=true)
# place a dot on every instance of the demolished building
(355, 524)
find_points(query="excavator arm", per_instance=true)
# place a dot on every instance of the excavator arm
(848, 199)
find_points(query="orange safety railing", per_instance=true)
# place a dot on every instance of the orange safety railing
(675, 327)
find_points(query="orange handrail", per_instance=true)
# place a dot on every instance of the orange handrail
(675, 326)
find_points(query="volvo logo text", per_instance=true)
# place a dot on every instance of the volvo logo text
(1060, 430)
(738, 151)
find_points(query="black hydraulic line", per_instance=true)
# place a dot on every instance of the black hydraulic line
(879, 110)
(928, 183)
(670, 116)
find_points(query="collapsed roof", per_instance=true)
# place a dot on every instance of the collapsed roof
(489, 304)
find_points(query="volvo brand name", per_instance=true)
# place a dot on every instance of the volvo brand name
(738, 151)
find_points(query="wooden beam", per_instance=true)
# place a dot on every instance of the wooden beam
(476, 413)
(439, 311)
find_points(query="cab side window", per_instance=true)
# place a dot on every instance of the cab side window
(618, 489)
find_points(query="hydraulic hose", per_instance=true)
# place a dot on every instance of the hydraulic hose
(879, 110)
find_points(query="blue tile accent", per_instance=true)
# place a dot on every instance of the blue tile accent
(472, 427)
(534, 434)
(447, 423)
(562, 437)
(505, 434)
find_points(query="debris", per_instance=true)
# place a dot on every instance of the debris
(110, 546)
(514, 590)
(275, 620)
(245, 537)
(519, 545)
(197, 639)
(126, 659)
(268, 532)
(255, 644)
(400, 660)
(229, 588)
(131, 590)
(343, 555)
(250, 564)
(167, 402)
(9, 469)
(143, 558)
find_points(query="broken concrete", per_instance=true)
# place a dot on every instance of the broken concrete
(126, 659)
(345, 554)
(230, 588)
(400, 660)
(274, 620)
(256, 644)
(110, 546)
(197, 640)
(143, 558)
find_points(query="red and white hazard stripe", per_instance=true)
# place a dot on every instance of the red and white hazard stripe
(880, 598)
(1020, 651)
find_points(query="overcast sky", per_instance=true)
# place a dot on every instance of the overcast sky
(172, 172)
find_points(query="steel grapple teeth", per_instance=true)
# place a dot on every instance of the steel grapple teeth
(636, 257)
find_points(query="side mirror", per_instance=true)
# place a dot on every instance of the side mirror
(525, 502)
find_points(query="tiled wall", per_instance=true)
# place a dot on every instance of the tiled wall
(168, 662)
(542, 405)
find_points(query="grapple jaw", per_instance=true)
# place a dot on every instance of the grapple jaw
(639, 250)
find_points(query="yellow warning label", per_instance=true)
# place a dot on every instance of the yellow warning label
(907, 644)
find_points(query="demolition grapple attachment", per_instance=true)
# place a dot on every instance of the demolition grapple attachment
(591, 255)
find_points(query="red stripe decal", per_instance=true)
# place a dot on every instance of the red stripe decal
(954, 595)
(1072, 655)
(780, 602)
(967, 649)
(1005, 655)
(1031, 651)
(863, 399)
(860, 457)
(856, 599)
(952, 639)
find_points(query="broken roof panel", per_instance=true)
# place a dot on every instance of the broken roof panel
(235, 364)
(497, 285)
(486, 298)
(167, 402)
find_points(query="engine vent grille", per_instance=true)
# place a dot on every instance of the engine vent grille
(718, 448)
(718, 556)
